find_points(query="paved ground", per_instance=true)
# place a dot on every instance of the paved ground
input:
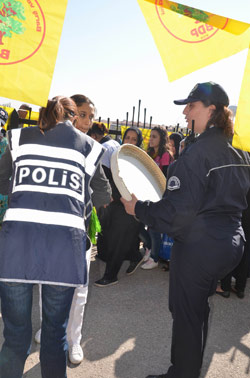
(127, 330)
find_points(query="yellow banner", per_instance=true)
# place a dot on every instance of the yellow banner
(187, 44)
(241, 137)
(32, 116)
(189, 39)
(228, 24)
(30, 32)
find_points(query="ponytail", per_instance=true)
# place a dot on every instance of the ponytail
(98, 128)
(58, 109)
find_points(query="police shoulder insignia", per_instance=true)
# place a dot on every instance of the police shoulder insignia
(173, 183)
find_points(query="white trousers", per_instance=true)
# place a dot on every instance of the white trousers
(74, 328)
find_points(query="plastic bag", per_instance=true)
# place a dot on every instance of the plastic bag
(94, 226)
(166, 246)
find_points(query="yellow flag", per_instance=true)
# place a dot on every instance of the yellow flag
(187, 44)
(220, 22)
(33, 116)
(30, 32)
(241, 137)
(189, 39)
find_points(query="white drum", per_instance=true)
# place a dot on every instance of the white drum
(134, 171)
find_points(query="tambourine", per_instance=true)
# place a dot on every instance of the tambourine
(134, 171)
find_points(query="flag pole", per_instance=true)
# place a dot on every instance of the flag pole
(139, 108)
(144, 122)
(133, 115)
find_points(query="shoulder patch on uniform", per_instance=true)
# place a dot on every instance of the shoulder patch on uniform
(173, 183)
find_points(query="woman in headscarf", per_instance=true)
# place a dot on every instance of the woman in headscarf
(120, 232)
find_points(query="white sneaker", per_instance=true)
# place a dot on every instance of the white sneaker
(147, 254)
(150, 264)
(75, 354)
(38, 336)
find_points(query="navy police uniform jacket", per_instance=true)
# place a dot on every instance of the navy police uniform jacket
(202, 210)
(206, 191)
(43, 236)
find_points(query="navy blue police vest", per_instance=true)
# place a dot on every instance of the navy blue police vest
(43, 237)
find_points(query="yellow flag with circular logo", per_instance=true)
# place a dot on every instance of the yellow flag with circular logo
(30, 32)
(187, 39)
(220, 22)
(241, 137)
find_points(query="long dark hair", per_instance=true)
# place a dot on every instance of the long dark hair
(57, 110)
(164, 142)
(222, 117)
(176, 137)
(80, 99)
(98, 128)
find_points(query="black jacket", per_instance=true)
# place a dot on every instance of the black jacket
(206, 190)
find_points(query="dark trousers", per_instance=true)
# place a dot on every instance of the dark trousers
(194, 272)
(145, 237)
(240, 273)
(121, 239)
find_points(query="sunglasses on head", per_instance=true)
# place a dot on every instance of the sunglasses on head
(70, 113)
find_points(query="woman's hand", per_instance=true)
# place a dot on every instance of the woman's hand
(130, 205)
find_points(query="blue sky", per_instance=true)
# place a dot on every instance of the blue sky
(107, 53)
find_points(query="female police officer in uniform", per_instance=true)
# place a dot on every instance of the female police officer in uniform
(44, 233)
(201, 209)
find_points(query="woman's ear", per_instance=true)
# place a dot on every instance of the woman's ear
(212, 108)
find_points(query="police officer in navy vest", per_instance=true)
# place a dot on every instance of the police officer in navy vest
(43, 237)
(201, 210)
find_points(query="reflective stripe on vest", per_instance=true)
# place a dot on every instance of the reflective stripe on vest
(69, 175)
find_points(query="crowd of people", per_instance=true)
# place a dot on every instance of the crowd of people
(52, 175)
